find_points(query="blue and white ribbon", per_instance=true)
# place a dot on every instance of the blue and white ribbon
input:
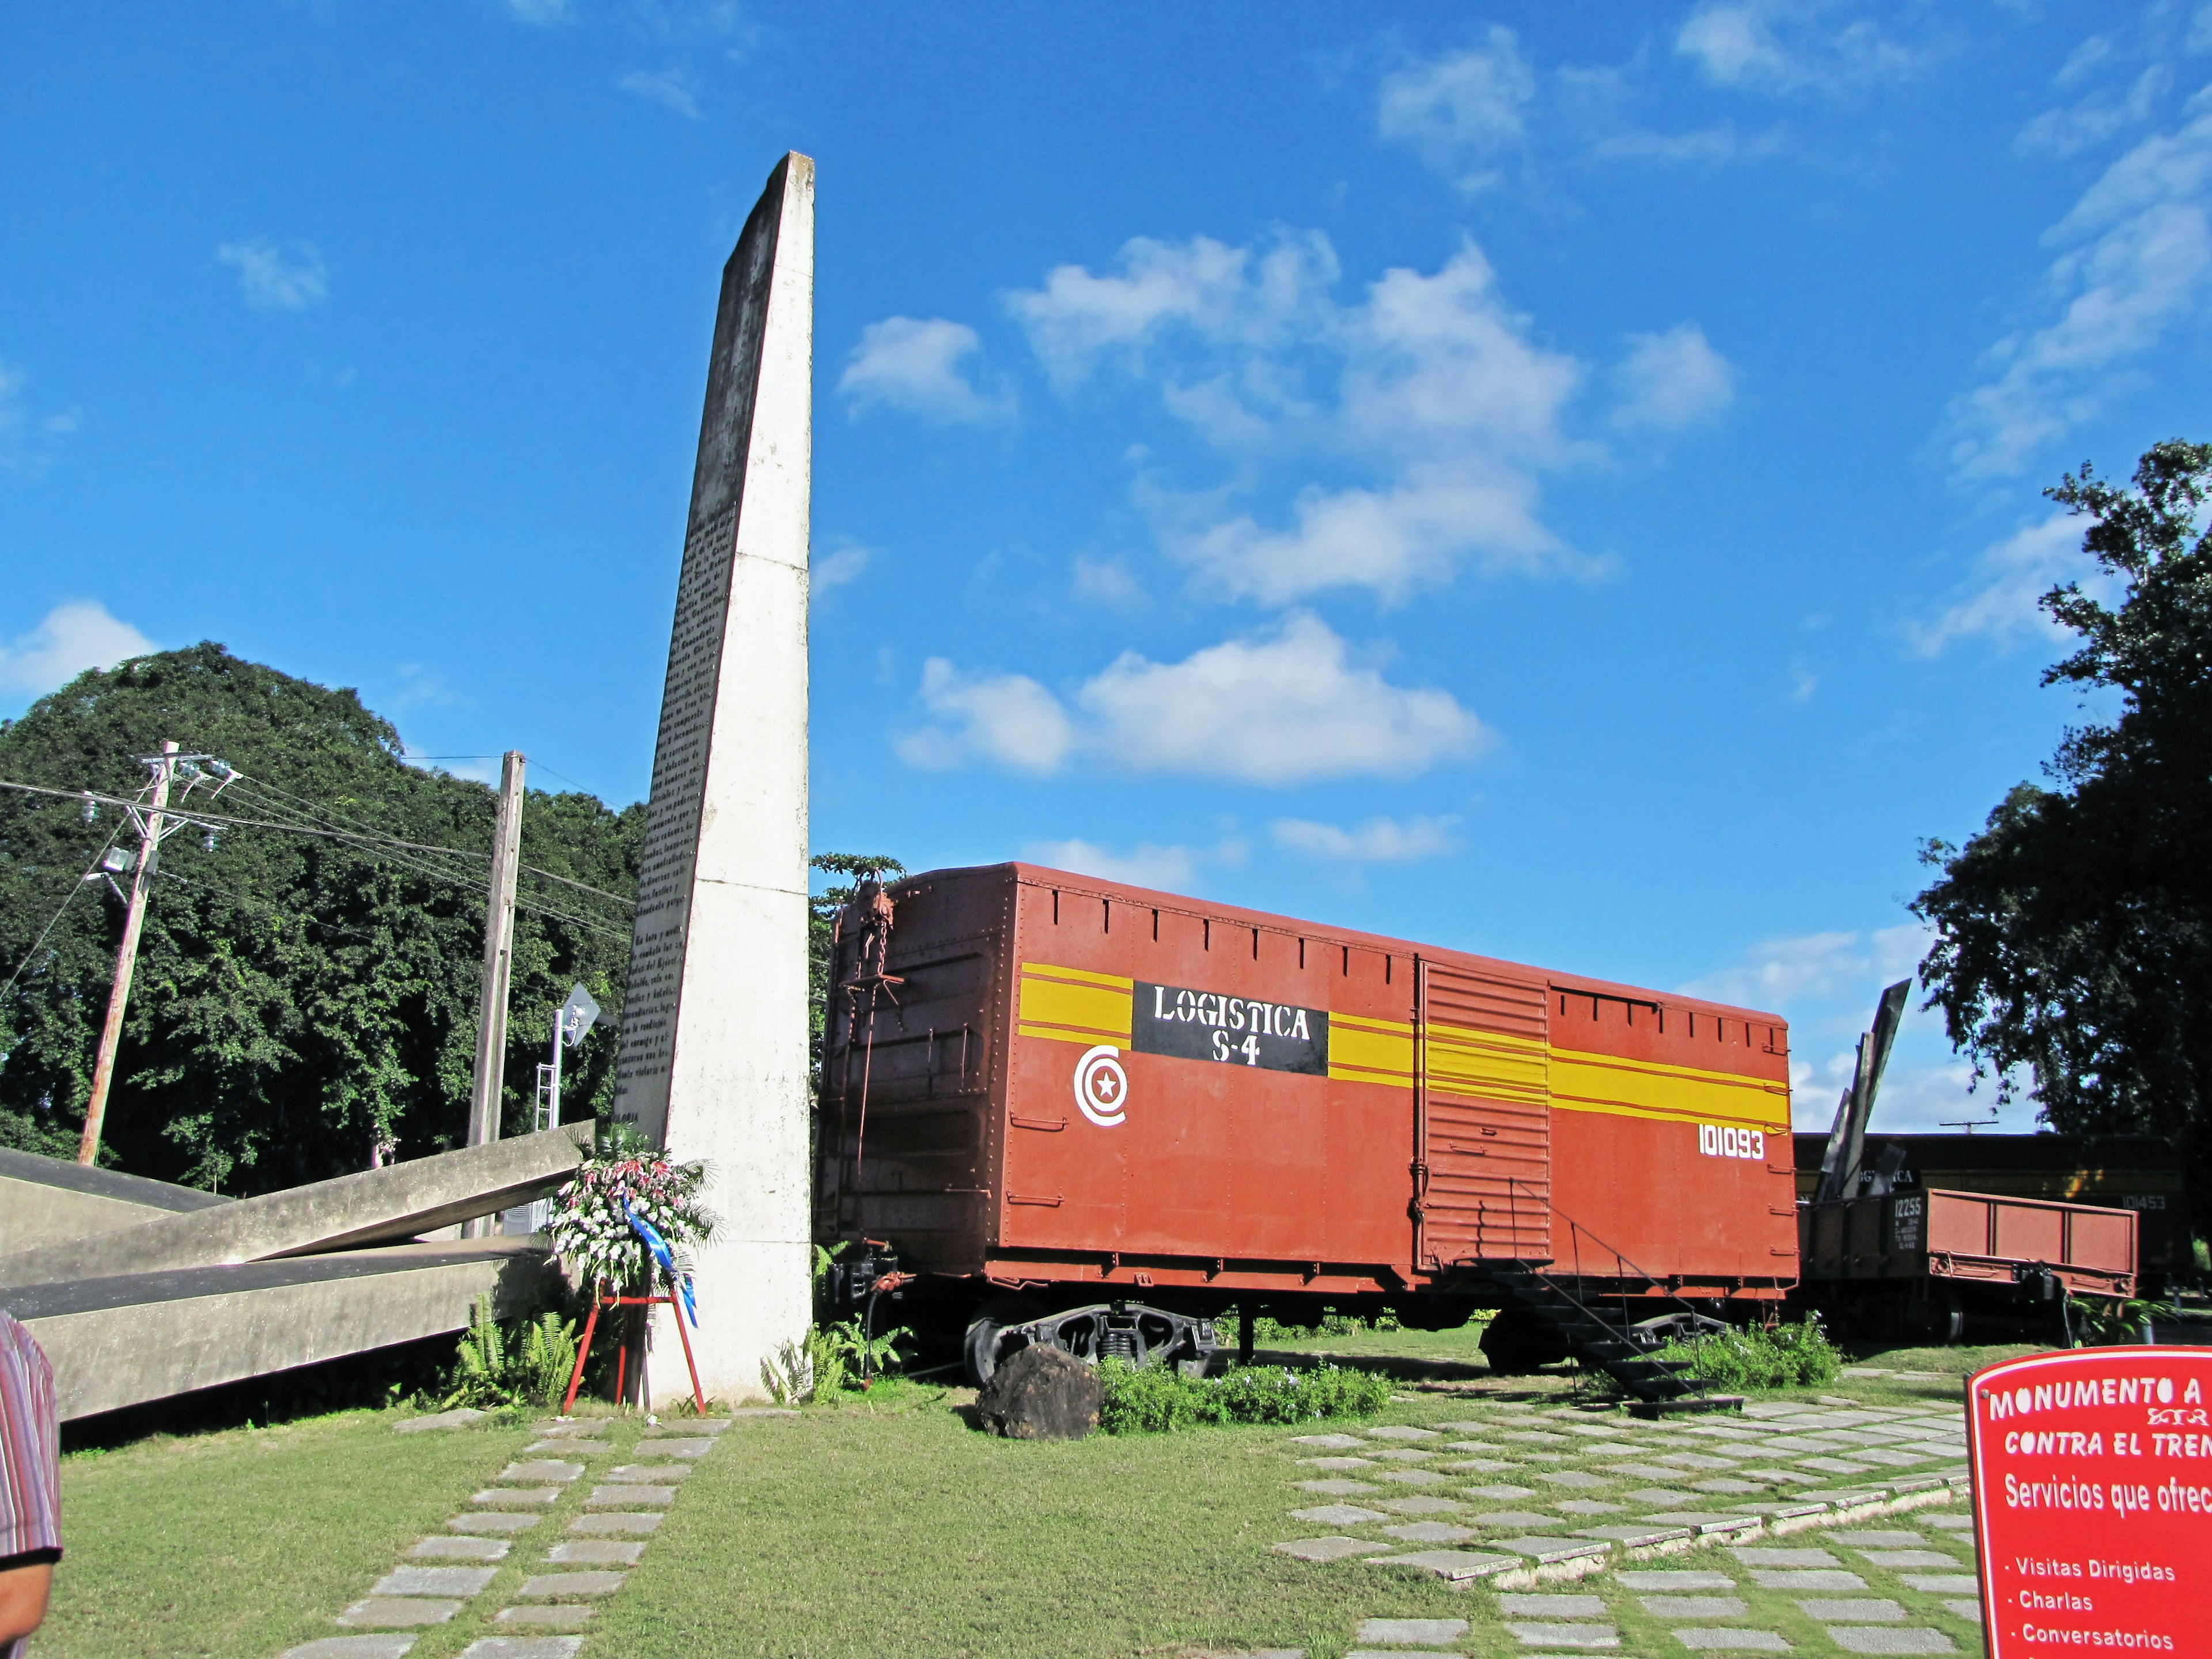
(661, 1253)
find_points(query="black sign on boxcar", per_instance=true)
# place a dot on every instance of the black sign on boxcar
(1173, 1020)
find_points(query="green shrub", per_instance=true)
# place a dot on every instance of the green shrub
(1158, 1399)
(1269, 1329)
(1778, 1357)
(522, 1363)
(829, 1360)
(2100, 1321)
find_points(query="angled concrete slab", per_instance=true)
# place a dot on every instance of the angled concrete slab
(49, 1200)
(120, 1341)
(376, 1207)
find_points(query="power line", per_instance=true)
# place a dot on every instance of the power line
(330, 817)
(67, 899)
(570, 881)
(535, 909)
(391, 846)
(231, 821)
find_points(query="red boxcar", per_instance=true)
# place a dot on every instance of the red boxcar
(1045, 1081)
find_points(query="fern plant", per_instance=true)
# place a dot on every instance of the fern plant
(525, 1363)
(817, 1366)
(859, 1353)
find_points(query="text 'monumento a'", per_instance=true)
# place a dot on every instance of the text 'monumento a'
(713, 1059)
(2093, 1501)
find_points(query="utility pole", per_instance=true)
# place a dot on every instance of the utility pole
(498, 969)
(126, 956)
(498, 956)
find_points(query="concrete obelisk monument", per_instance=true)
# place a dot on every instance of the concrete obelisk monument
(714, 1057)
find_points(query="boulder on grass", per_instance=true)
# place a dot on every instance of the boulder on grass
(1043, 1393)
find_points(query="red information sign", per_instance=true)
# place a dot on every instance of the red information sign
(2093, 1501)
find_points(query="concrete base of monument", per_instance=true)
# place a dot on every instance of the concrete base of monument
(120, 1341)
(48, 1200)
(754, 1296)
(376, 1207)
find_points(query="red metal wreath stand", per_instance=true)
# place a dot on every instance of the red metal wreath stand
(621, 1353)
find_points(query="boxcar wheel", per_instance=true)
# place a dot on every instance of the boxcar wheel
(1938, 1322)
(979, 1350)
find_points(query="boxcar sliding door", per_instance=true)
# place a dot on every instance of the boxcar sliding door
(1482, 1112)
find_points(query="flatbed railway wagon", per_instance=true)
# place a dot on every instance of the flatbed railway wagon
(1059, 1109)
(2127, 1172)
(1927, 1264)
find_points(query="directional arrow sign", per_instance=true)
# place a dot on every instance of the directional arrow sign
(577, 1015)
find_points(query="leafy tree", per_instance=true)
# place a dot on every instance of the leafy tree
(303, 1003)
(2074, 933)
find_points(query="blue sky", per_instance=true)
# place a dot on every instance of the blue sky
(1560, 482)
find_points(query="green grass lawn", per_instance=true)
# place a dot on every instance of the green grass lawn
(882, 1527)
(244, 1542)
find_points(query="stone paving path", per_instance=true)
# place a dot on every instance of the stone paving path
(1515, 1497)
(574, 1551)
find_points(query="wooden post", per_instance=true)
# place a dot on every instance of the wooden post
(498, 968)
(127, 958)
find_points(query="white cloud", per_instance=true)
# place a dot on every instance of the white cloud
(1439, 363)
(1792, 45)
(1006, 718)
(1430, 384)
(673, 89)
(2072, 128)
(828, 571)
(1175, 869)
(1671, 380)
(1413, 534)
(28, 439)
(1468, 111)
(1282, 706)
(2085, 60)
(914, 364)
(1735, 45)
(1825, 986)
(71, 638)
(1107, 582)
(273, 279)
(1222, 293)
(1461, 110)
(1378, 841)
(2010, 578)
(2138, 262)
(1922, 1095)
(1815, 967)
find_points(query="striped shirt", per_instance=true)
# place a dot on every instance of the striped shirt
(30, 1457)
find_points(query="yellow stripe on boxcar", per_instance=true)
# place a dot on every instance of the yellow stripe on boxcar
(1492, 1064)
(1086, 1006)
(1583, 1082)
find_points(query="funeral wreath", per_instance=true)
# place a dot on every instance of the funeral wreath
(630, 1215)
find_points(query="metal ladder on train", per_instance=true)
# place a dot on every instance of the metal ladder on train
(1657, 1387)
